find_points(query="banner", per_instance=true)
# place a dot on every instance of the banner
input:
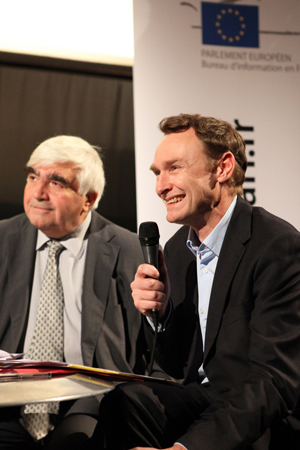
(237, 61)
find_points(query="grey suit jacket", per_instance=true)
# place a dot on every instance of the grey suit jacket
(112, 335)
(252, 345)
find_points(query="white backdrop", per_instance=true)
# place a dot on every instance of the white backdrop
(254, 87)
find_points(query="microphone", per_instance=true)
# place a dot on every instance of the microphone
(149, 239)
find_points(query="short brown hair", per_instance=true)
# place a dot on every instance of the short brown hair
(218, 136)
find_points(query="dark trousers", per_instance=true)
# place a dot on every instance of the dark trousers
(147, 414)
(155, 415)
(71, 432)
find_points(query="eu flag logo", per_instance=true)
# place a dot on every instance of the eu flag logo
(231, 25)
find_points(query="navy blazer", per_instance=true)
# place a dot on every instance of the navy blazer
(252, 344)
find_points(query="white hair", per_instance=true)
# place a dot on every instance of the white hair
(72, 149)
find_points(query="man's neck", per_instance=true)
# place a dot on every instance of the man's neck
(211, 220)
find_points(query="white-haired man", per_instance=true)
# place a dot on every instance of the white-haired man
(97, 262)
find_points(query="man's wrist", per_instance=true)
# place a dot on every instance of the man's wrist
(163, 322)
(166, 314)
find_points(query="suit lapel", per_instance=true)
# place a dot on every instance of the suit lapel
(101, 259)
(20, 274)
(233, 248)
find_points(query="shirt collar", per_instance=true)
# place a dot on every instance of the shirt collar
(215, 238)
(72, 241)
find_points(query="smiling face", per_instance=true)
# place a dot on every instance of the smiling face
(51, 199)
(190, 190)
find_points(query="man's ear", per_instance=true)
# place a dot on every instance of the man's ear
(91, 197)
(225, 167)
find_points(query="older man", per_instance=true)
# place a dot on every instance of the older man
(87, 264)
(229, 306)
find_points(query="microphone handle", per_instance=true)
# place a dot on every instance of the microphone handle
(150, 253)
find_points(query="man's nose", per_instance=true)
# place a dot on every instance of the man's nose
(162, 184)
(41, 190)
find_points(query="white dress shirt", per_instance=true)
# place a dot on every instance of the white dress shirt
(71, 267)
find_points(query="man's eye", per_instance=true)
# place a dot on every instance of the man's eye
(57, 185)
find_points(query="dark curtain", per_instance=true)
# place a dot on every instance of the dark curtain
(39, 101)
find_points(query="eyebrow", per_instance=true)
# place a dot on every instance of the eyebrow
(28, 169)
(167, 163)
(52, 176)
(55, 177)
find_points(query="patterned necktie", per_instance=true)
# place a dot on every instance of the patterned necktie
(47, 343)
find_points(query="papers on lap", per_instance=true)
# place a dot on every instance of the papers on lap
(13, 367)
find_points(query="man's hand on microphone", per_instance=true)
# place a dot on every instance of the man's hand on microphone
(151, 288)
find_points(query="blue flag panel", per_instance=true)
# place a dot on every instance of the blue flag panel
(230, 25)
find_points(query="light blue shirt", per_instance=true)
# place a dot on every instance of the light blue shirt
(207, 254)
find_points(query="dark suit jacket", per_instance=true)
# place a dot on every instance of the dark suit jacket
(111, 325)
(252, 347)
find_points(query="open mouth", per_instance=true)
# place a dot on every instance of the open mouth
(174, 200)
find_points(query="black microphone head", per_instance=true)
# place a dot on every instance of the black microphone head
(148, 233)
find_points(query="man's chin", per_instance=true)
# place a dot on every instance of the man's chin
(174, 219)
(39, 222)
(175, 214)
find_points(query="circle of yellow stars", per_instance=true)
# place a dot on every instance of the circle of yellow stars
(240, 18)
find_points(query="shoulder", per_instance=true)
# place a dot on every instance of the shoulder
(274, 235)
(112, 233)
(17, 239)
(263, 221)
(248, 219)
(267, 220)
(14, 224)
(260, 229)
(107, 237)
